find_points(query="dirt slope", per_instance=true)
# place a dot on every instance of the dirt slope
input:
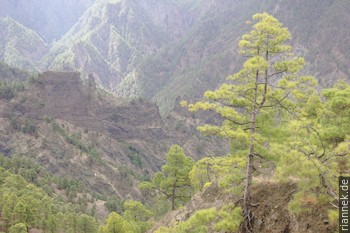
(73, 128)
(270, 211)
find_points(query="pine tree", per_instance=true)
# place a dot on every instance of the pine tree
(86, 224)
(173, 181)
(316, 149)
(18, 228)
(264, 90)
(137, 215)
(115, 224)
(136, 211)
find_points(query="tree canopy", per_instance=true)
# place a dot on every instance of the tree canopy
(173, 181)
(266, 91)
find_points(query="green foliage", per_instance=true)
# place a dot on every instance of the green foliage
(23, 203)
(137, 215)
(71, 186)
(229, 219)
(270, 111)
(22, 166)
(173, 181)
(226, 219)
(115, 223)
(86, 224)
(136, 211)
(253, 83)
(9, 89)
(29, 127)
(114, 204)
(316, 151)
(333, 216)
(134, 156)
(18, 228)
(160, 206)
(334, 115)
(198, 222)
(74, 139)
(135, 219)
(257, 100)
(227, 171)
(36, 174)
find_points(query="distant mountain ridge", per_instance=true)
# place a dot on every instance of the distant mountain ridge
(50, 19)
(19, 46)
(109, 41)
(163, 50)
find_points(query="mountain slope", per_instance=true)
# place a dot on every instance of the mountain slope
(161, 50)
(171, 49)
(8, 73)
(209, 52)
(73, 129)
(319, 29)
(19, 46)
(113, 36)
(50, 19)
(199, 60)
(270, 211)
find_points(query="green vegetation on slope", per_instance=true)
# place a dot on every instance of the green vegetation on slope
(176, 48)
(9, 89)
(299, 134)
(23, 203)
(20, 47)
(173, 181)
(284, 122)
(207, 53)
(50, 21)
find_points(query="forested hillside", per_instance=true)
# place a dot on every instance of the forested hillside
(289, 142)
(174, 116)
(83, 145)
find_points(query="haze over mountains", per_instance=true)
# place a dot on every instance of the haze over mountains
(89, 107)
(162, 50)
(50, 19)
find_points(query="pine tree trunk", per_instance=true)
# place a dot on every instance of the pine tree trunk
(249, 173)
(173, 196)
(247, 190)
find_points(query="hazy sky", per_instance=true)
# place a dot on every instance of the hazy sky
(49, 18)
